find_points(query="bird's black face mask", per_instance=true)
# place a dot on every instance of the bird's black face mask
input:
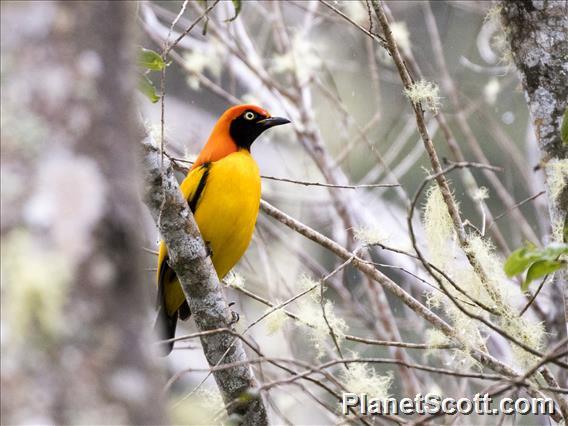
(249, 125)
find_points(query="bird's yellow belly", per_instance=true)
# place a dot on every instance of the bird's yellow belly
(226, 214)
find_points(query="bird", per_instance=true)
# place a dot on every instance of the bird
(223, 190)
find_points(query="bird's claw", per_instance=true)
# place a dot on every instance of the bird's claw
(234, 315)
(208, 249)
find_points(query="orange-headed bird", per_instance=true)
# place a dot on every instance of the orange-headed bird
(223, 192)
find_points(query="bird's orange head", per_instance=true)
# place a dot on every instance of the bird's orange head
(237, 128)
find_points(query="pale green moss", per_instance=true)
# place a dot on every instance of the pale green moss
(493, 14)
(306, 283)
(481, 193)
(276, 320)
(500, 38)
(530, 333)
(370, 235)
(439, 228)
(425, 93)
(556, 177)
(435, 337)
(360, 378)
(496, 291)
(492, 265)
(310, 312)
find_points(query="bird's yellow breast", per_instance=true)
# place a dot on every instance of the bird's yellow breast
(225, 211)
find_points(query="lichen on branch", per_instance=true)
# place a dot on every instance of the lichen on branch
(189, 259)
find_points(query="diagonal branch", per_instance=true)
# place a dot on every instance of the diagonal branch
(368, 269)
(188, 257)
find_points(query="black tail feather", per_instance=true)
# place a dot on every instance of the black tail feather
(184, 312)
(165, 325)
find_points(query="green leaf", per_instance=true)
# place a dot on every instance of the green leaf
(564, 128)
(524, 257)
(150, 60)
(537, 262)
(237, 4)
(146, 86)
(520, 260)
(540, 269)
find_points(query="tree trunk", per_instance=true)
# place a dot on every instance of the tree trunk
(74, 339)
(539, 45)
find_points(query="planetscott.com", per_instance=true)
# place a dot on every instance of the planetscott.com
(431, 403)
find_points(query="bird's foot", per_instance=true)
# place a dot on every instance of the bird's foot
(208, 249)
(234, 315)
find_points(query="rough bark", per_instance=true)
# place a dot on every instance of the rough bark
(539, 43)
(538, 33)
(76, 343)
(188, 257)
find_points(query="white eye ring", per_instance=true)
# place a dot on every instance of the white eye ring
(249, 115)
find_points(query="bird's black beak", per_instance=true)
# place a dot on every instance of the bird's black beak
(267, 123)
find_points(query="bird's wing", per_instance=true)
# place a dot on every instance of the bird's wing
(192, 189)
(193, 185)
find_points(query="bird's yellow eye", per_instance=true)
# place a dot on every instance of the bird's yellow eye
(249, 115)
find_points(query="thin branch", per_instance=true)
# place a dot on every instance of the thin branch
(346, 336)
(322, 304)
(534, 296)
(150, 251)
(374, 36)
(307, 183)
(552, 355)
(483, 357)
(463, 123)
(515, 206)
(168, 46)
(440, 282)
(329, 185)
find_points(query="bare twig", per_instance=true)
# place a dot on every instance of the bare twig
(534, 296)
(309, 183)
(483, 357)
(329, 185)
(515, 206)
(374, 36)
(169, 46)
(347, 336)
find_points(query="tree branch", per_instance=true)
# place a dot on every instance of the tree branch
(368, 269)
(188, 257)
(537, 33)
